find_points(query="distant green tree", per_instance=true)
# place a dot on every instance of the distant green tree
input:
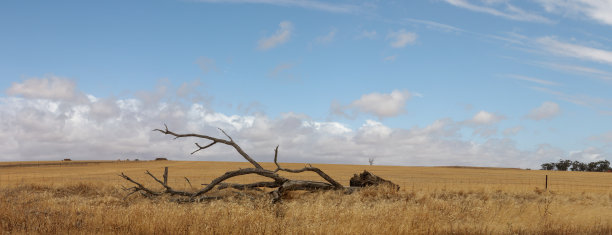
(592, 166)
(602, 166)
(548, 166)
(578, 166)
(563, 165)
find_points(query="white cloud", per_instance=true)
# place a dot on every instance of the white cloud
(281, 36)
(234, 122)
(383, 105)
(308, 4)
(554, 46)
(531, 79)
(576, 69)
(508, 37)
(373, 131)
(368, 34)
(434, 25)
(283, 72)
(121, 128)
(548, 110)
(485, 118)
(390, 58)
(483, 124)
(328, 38)
(600, 104)
(206, 64)
(401, 38)
(510, 12)
(48, 87)
(598, 10)
(334, 128)
(512, 130)
(103, 109)
(590, 154)
(492, 2)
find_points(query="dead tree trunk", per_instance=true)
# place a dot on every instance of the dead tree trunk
(368, 179)
(280, 183)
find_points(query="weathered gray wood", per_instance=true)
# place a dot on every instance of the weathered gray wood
(165, 175)
(368, 179)
(254, 186)
(307, 168)
(282, 184)
(215, 140)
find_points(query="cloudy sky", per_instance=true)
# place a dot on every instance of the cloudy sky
(427, 83)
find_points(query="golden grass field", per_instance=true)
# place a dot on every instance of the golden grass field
(86, 198)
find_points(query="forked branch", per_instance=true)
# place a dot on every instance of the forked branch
(306, 168)
(282, 184)
(214, 141)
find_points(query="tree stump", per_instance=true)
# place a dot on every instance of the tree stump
(368, 179)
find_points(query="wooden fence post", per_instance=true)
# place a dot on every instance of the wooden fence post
(546, 185)
(166, 175)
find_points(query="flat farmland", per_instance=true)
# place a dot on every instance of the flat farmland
(79, 196)
(409, 178)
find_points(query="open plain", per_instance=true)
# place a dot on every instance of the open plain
(87, 197)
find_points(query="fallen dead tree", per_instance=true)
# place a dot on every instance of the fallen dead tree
(280, 184)
(368, 179)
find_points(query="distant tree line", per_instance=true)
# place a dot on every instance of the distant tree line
(564, 165)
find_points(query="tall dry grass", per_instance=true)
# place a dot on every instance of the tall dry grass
(83, 205)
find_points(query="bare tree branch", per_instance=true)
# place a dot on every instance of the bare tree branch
(168, 188)
(308, 168)
(246, 171)
(294, 185)
(200, 147)
(229, 137)
(138, 187)
(189, 182)
(215, 140)
(254, 186)
(279, 182)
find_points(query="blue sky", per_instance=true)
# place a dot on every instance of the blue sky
(455, 82)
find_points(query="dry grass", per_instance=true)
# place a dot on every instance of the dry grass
(86, 198)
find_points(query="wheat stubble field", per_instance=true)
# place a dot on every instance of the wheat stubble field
(87, 198)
